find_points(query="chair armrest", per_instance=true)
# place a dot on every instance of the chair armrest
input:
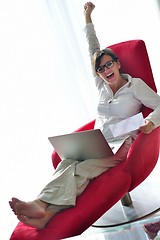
(143, 156)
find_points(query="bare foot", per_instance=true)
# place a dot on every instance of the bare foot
(32, 222)
(34, 209)
(37, 223)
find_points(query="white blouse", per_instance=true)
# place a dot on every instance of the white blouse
(126, 102)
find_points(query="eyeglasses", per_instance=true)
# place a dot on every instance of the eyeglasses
(107, 65)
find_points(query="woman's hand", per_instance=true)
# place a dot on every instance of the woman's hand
(147, 127)
(88, 8)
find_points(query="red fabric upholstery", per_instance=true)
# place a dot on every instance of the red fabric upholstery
(104, 191)
(143, 157)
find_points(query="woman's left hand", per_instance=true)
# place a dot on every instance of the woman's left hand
(147, 127)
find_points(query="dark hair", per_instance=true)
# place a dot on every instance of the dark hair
(96, 59)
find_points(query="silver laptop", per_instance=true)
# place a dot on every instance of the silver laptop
(80, 146)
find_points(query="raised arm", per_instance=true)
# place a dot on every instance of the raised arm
(93, 43)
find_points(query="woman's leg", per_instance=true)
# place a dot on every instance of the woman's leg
(69, 181)
(37, 213)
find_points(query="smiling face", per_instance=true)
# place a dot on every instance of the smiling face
(110, 70)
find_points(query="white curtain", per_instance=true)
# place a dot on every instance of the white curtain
(46, 82)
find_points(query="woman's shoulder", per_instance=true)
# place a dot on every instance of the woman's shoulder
(133, 81)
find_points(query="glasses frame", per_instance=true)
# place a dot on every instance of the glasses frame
(107, 65)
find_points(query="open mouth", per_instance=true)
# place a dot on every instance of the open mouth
(110, 75)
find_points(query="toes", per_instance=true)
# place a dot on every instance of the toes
(11, 204)
(15, 200)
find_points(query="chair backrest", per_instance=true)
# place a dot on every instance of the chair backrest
(135, 61)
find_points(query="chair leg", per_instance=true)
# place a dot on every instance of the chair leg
(126, 200)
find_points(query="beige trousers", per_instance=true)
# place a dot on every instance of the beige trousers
(72, 177)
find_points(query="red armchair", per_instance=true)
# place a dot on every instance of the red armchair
(107, 189)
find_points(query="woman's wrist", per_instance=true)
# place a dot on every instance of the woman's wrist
(88, 19)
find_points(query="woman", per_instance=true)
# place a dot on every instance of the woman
(72, 177)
